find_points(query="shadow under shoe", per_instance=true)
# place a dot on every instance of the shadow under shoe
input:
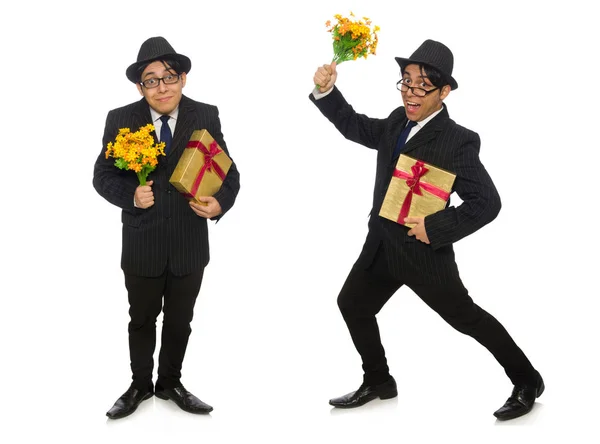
(366, 393)
(128, 402)
(184, 399)
(520, 401)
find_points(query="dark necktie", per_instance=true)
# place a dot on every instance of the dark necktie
(165, 133)
(402, 139)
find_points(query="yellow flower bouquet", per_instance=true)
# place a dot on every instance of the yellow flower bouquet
(352, 38)
(136, 151)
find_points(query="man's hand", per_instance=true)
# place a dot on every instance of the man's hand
(144, 197)
(325, 77)
(211, 209)
(419, 230)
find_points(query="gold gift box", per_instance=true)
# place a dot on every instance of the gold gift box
(434, 184)
(201, 168)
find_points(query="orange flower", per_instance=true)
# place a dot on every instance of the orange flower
(136, 151)
(352, 38)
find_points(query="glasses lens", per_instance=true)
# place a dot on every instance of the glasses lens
(171, 78)
(150, 83)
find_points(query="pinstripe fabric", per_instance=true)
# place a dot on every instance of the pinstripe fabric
(442, 143)
(169, 232)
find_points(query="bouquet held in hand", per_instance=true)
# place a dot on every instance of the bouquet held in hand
(136, 151)
(352, 38)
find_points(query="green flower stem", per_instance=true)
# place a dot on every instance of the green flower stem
(142, 175)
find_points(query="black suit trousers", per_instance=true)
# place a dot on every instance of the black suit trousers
(176, 296)
(366, 291)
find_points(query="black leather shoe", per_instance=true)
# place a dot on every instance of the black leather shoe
(366, 393)
(521, 400)
(128, 403)
(184, 399)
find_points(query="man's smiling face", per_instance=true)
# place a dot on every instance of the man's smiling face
(163, 98)
(419, 108)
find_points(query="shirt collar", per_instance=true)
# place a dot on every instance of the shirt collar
(425, 121)
(155, 115)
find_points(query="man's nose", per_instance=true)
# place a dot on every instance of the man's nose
(162, 86)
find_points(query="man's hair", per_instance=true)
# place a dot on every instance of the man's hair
(436, 78)
(169, 63)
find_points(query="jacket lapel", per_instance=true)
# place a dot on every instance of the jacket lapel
(397, 123)
(185, 120)
(428, 132)
(141, 115)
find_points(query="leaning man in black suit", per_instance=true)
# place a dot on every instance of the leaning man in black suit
(165, 237)
(421, 258)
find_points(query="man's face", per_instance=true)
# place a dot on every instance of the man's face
(419, 108)
(163, 98)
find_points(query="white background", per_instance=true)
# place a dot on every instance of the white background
(269, 347)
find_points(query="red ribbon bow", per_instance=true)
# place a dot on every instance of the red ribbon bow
(414, 183)
(209, 163)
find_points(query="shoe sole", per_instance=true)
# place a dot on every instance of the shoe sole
(389, 395)
(182, 407)
(386, 395)
(518, 415)
(147, 396)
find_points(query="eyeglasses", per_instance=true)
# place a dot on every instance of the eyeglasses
(169, 79)
(419, 92)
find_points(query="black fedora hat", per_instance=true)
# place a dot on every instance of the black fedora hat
(434, 54)
(156, 48)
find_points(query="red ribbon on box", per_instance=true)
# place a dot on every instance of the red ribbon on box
(209, 163)
(415, 184)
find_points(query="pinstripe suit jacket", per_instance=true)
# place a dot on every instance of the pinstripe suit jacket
(169, 232)
(443, 143)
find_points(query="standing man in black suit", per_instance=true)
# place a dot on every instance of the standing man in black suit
(421, 258)
(165, 237)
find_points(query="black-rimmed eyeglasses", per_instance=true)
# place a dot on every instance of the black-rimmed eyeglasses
(153, 82)
(419, 92)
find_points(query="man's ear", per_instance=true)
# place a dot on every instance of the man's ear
(183, 77)
(139, 87)
(445, 91)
